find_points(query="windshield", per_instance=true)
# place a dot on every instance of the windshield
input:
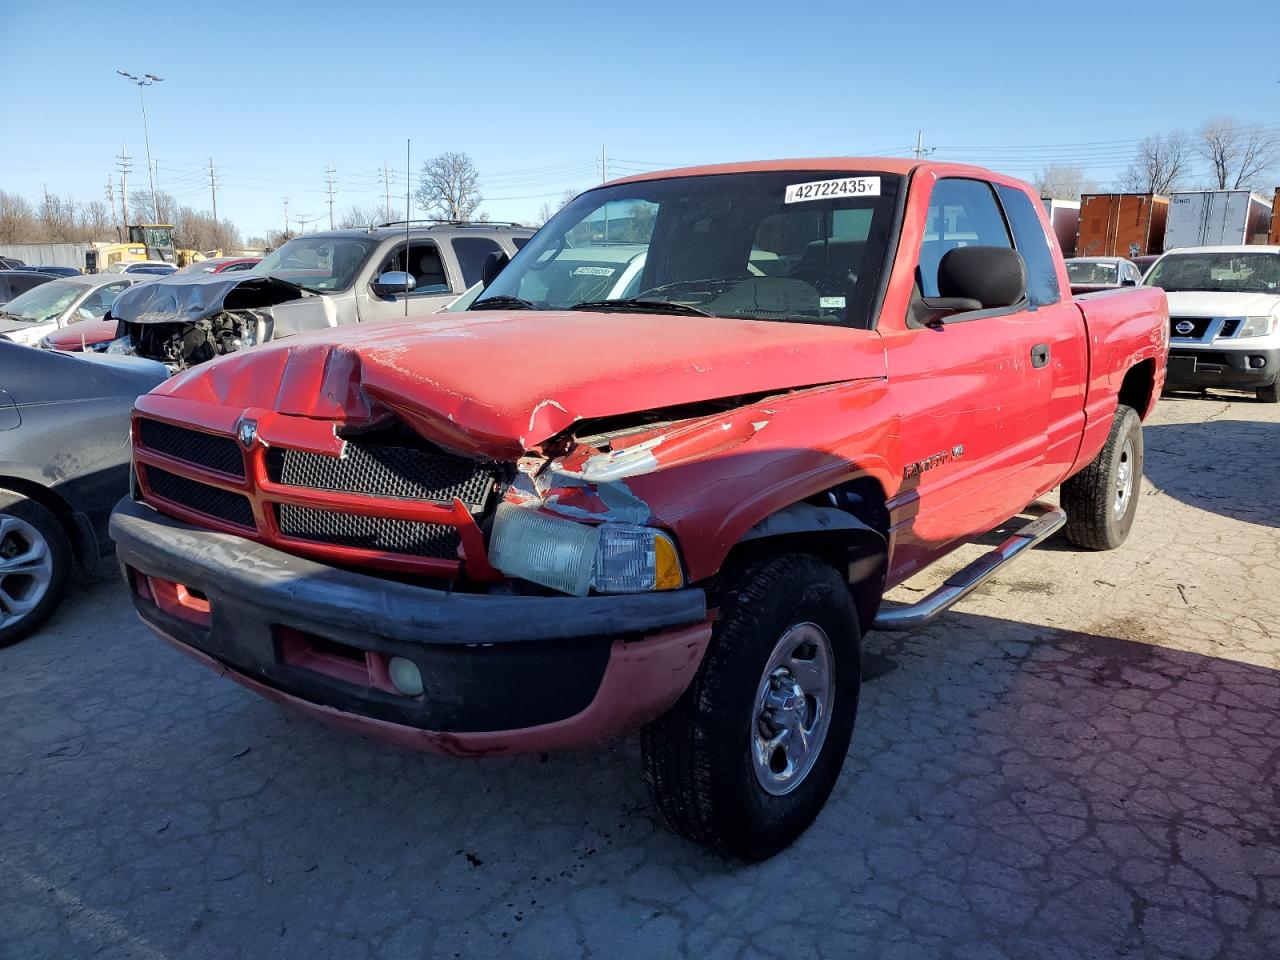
(798, 245)
(1091, 271)
(43, 303)
(1217, 273)
(317, 263)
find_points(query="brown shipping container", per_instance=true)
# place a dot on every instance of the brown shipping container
(1275, 219)
(1121, 224)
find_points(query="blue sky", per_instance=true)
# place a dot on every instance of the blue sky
(275, 92)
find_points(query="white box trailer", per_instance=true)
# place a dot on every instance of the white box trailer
(1210, 218)
(1064, 217)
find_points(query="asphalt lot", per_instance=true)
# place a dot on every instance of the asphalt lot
(1083, 760)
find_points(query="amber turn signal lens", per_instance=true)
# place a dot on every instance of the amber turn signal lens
(667, 573)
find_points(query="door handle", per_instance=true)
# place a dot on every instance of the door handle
(1040, 355)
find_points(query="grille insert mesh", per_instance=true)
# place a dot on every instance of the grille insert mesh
(410, 537)
(194, 495)
(193, 446)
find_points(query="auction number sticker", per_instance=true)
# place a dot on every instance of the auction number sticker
(593, 271)
(824, 189)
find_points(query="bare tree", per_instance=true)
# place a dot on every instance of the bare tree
(1237, 155)
(1063, 181)
(358, 216)
(1160, 166)
(17, 219)
(549, 210)
(146, 210)
(449, 186)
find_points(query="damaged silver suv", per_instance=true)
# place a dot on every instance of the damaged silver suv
(314, 281)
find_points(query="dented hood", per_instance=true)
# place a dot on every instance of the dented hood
(187, 297)
(497, 384)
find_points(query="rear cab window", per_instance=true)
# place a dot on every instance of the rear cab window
(1030, 241)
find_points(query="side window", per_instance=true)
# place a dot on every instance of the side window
(962, 213)
(423, 261)
(237, 267)
(520, 242)
(471, 252)
(1029, 235)
(19, 285)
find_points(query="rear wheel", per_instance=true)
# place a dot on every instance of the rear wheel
(1102, 499)
(746, 759)
(1270, 394)
(35, 560)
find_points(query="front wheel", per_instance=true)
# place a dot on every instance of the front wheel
(746, 759)
(35, 560)
(1102, 499)
(1269, 394)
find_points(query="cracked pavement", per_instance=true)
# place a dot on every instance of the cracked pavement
(1081, 760)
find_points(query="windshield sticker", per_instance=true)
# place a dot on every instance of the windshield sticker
(831, 303)
(824, 189)
(593, 271)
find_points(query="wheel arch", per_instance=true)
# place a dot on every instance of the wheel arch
(1137, 389)
(84, 544)
(846, 526)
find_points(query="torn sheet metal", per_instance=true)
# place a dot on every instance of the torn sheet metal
(187, 298)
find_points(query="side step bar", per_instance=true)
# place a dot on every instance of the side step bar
(960, 584)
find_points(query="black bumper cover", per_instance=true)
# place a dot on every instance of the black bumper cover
(1221, 368)
(487, 662)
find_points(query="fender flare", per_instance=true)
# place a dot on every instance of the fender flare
(864, 550)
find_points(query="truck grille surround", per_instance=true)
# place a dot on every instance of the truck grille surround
(401, 505)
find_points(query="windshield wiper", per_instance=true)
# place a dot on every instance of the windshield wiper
(642, 305)
(503, 302)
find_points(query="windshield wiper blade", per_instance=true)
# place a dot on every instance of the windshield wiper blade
(642, 305)
(503, 302)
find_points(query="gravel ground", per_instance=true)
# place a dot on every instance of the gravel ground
(1080, 761)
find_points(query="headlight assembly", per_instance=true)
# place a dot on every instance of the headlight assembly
(1258, 327)
(575, 557)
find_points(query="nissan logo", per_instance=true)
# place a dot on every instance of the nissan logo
(1184, 327)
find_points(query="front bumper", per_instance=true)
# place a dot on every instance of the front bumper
(500, 673)
(1211, 366)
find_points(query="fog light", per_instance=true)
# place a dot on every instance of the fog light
(405, 676)
(1257, 362)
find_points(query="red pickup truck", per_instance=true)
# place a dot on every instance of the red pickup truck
(583, 507)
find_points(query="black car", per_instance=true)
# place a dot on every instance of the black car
(14, 282)
(11, 263)
(64, 462)
(52, 270)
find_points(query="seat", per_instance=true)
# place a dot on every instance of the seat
(429, 272)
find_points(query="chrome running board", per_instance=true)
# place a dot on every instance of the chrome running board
(960, 584)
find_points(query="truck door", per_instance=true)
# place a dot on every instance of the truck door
(434, 287)
(973, 395)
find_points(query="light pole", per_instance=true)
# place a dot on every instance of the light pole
(146, 80)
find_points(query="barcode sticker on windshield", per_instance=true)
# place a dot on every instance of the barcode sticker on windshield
(825, 189)
(593, 271)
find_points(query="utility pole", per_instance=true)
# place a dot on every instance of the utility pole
(213, 189)
(604, 163)
(386, 188)
(146, 80)
(286, 215)
(124, 164)
(921, 151)
(328, 170)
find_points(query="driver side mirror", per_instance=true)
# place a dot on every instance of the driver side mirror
(394, 282)
(493, 264)
(979, 278)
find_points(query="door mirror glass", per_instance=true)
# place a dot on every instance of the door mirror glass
(493, 264)
(394, 283)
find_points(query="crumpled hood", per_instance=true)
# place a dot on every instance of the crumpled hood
(1195, 303)
(187, 297)
(500, 383)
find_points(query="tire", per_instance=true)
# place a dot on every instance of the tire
(1100, 510)
(1270, 394)
(35, 564)
(700, 757)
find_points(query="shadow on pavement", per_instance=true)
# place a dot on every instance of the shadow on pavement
(1012, 790)
(1229, 467)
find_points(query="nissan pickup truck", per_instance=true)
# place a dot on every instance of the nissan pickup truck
(548, 520)
(1225, 318)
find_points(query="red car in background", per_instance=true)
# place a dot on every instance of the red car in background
(222, 265)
